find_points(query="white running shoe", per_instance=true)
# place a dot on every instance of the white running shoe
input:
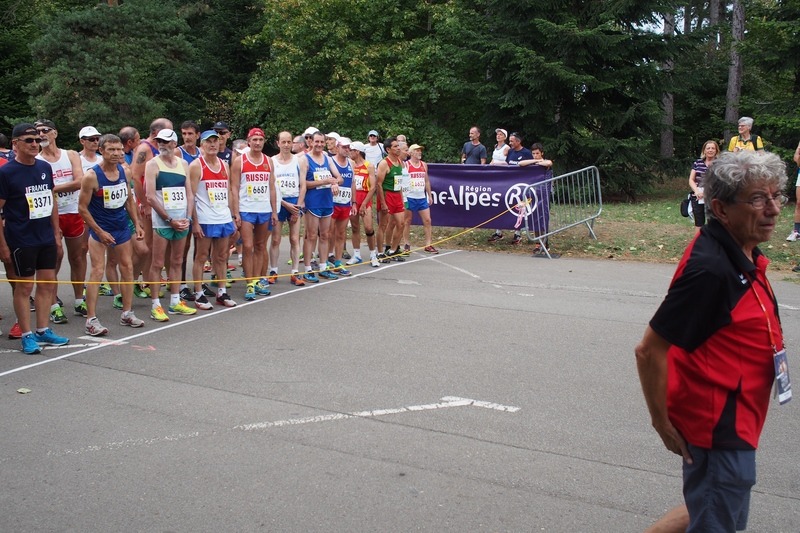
(793, 236)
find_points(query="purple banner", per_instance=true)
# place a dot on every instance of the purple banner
(465, 196)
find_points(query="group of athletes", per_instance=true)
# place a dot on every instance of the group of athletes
(131, 205)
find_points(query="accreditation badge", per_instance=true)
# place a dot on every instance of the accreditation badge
(783, 386)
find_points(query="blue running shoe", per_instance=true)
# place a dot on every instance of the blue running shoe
(327, 274)
(262, 287)
(29, 345)
(340, 269)
(310, 277)
(250, 292)
(48, 337)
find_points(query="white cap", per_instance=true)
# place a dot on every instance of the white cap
(167, 135)
(333, 135)
(343, 141)
(357, 145)
(88, 131)
(311, 130)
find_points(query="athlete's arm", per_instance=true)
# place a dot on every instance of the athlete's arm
(383, 169)
(233, 192)
(77, 174)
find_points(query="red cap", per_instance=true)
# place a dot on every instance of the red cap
(255, 132)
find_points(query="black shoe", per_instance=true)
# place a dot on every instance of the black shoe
(345, 255)
(796, 269)
(398, 255)
(32, 303)
(382, 258)
(187, 295)
(207, 291)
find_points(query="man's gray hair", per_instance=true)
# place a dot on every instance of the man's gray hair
(732, 172)
(747, 121)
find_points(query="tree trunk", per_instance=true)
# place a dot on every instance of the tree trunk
(667, 99)
(736, 69)
(687, 18)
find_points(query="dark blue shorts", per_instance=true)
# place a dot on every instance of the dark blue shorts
(716, 488)
(121, 236)
(284, 214)
(321, 212)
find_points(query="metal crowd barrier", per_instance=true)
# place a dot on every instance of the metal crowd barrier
(573, 199)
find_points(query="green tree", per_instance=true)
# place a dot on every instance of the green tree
(111, 65)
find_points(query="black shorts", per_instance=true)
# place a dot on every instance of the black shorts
(27, 261)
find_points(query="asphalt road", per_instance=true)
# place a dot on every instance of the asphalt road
(459, 392)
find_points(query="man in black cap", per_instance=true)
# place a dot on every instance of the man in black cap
(31, 237)
(224, 132)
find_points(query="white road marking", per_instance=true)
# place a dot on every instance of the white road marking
(444, 403)
(205, 315)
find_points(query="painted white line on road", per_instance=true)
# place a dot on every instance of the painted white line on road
(788, 307)
(444, 403)
(204, 315)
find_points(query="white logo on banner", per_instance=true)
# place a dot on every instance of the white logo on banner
(521, 196)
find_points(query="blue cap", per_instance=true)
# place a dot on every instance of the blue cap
(208, 134)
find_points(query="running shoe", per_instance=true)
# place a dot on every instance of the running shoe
(105, 290)
(32, 303)
(158, 314)
(231, 267)
(181, 309)
(57, 316)
(117, 301)
(327, 274)
(314, 266)
(187, 295)
(431, 250)
(297, 280)
(356, 259)
(207, 267)
(262, 287)
(340, 269)
(495, 237)
(29, 345)
(793, 236)
(15, 332)
(201, 302)
(48, 337)
(207, 291)
(148, 292)
(215, 283)
(229, 276)
(95, 328)
(225, 300)
(139, 292)
(272, 279)
(374, 261)
(310, 277)
(406, 249)
(382, 258)
(130, 320)
(517, 239)
(397, 255)
(250, 292)
(345, 255)
(80, 309)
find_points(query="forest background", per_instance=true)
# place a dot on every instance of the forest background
(633, 87)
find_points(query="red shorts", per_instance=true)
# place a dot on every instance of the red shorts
(394, 202)
(341, 212)
(360, 196)
(71, 225)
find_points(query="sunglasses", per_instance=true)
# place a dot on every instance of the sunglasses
(92, 139)
(30, 140)
(44, 130)
(222, 132)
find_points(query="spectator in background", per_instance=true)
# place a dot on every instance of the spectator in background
(516, 155)
(745, 140)
(298, 145)
(373, 150)
(130, 140)
(501, 149)
(708, 154)
(473, 152)
(224, 132)
(795, 234)
(5, 148)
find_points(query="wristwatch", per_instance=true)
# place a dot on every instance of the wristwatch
(169, 220)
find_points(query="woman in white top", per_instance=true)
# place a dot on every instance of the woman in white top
(501, 148)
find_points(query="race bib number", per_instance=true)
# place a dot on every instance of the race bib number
(217, 195)
(288, 185)
(400, 180)
(417, 184)
(174, 198)
(321, 175)
(40, 204)
(359, 181)
(63, 199)
(114, 196)
(345, 196)
(258, 191)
